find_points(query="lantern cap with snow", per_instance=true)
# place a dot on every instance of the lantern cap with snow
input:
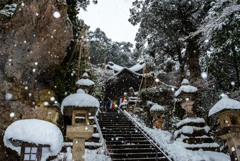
(34, 139)
(157, 113)
(228, 112)
(79, 107)
(186, 92)
(86, 84)
(157, 108)
(79, 103)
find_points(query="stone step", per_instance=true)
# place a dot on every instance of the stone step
(118, 126)
(127, 142)
(111, 122)
(133, 146)
(141, 159)
(128, 131)
(129, 138)
(131, 150)
(141, 154)
(123, 135)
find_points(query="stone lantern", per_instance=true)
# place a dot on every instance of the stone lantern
(86, 84)
(33, 139)
(228, 112)
(156, 112)
(79, 107)
(186, 93)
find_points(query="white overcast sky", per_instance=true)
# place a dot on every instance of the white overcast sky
(111, 16)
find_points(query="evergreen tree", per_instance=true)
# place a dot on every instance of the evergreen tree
(163, 27)
(220, 37)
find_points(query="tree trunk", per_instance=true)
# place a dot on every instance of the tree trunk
(235, 61)
(193, 54)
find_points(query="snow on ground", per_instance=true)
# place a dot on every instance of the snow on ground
(175, 148)
(91, 155)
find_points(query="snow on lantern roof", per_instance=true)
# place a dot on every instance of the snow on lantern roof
(80, 90)
(185, 82)
(85, 75)
(185, 88)
(156, 107)
(80, 100)
(36, 132)
(85, 82)
(190, 120)
(224, 104)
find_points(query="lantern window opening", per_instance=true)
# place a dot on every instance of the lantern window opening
(80, 118)
(31, 152)
(234, 120)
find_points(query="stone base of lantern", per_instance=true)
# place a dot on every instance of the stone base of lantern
(78, 149)
(79, 131)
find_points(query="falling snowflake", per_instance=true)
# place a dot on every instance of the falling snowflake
(46, 103)
(233, 83)
(204, 75)
(8, 96)
(52, 98)
(12, 114)
(56, 14)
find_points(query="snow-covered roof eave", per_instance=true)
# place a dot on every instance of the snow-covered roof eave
(224, 104)
(137, 67)
(36, 132)
(80, 100)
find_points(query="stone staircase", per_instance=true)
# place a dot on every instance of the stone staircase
(125, 141)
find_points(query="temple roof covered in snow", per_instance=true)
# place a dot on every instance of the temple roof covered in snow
(117, 68)
(36, 132)
(125, 78)
(224, 104)
(156, 107)
(80, 100)
(185, 88)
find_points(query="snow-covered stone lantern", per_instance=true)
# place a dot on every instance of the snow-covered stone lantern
(79, 107)
(156, 112)
(192, 130)
(186, 93)
(86, 84)
(228, 112)
(34, 139)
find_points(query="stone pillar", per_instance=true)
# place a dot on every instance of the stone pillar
(78, 149)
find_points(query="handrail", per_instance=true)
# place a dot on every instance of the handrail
(145, 134)
(102, 140)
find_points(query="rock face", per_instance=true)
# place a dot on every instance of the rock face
(32, 41)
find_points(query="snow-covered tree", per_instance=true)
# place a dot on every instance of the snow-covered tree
(220, 37)
(164, 24)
